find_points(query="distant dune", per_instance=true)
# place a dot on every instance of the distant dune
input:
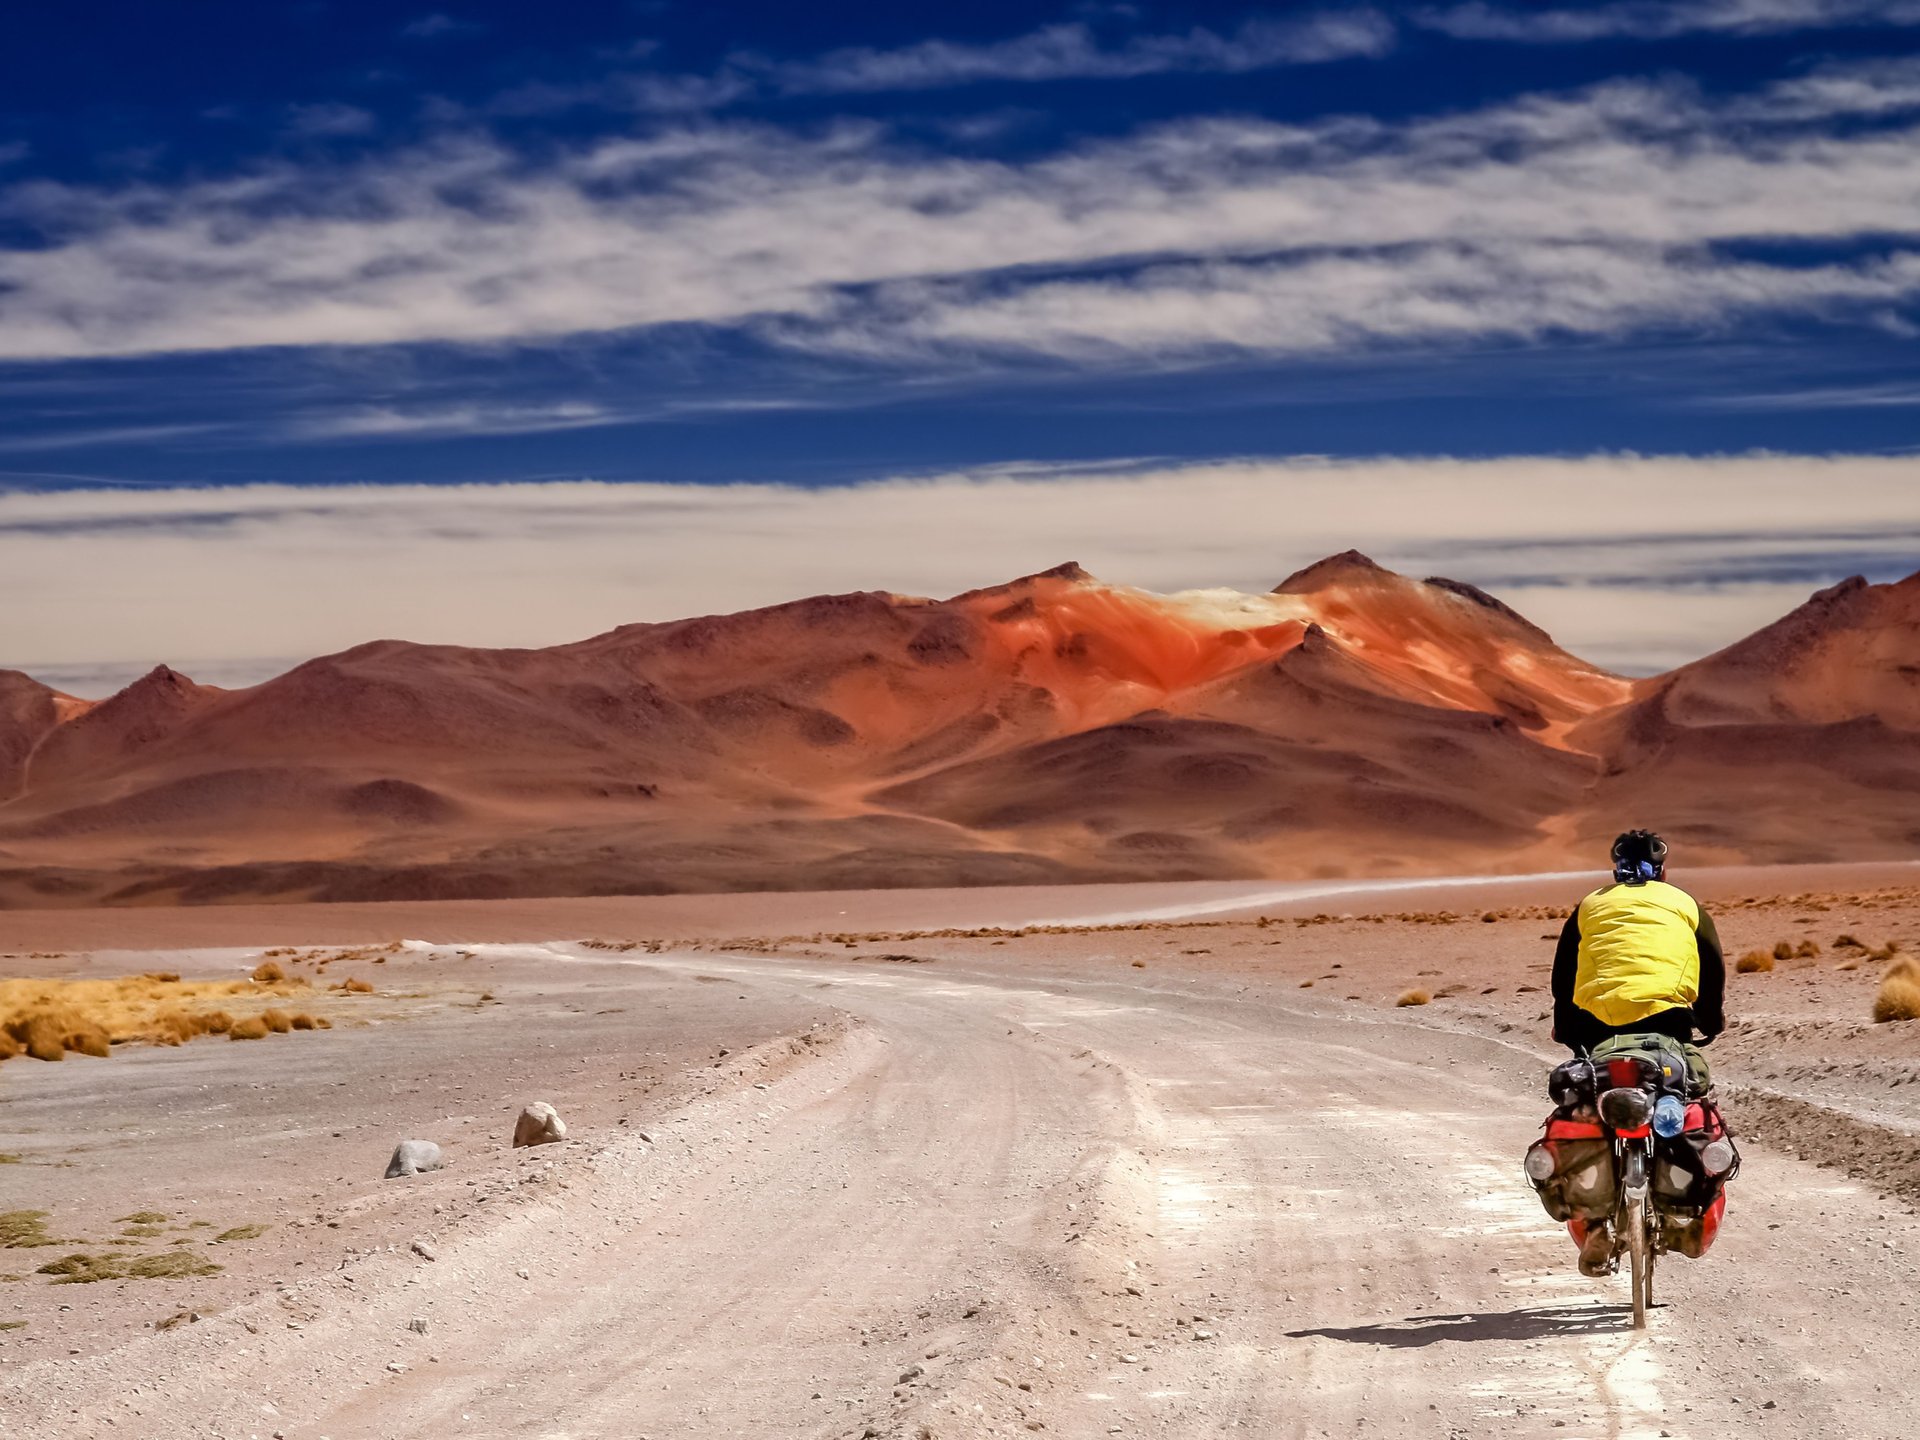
(1058, 728)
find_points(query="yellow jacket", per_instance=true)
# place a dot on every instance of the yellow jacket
(1639, 951)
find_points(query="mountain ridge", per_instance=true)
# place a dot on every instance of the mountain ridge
(1056, 727)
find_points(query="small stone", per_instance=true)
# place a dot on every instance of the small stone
(417, 1325)
(539, 1124)
(414, 1157)
(911, 1373)
(424, 1250)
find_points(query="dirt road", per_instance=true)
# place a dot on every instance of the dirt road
(1003, 1204)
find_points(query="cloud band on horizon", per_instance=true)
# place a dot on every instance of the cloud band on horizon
(1633, 562)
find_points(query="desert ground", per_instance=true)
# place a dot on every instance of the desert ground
(1169, 1160)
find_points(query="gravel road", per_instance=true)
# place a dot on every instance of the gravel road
(1002, 1205)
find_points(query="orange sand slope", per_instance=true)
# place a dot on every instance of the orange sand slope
(1056, 729)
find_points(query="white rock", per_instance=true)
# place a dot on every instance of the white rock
(539, 1124)
(414, 1157)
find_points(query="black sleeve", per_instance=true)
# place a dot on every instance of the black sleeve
(1709, 1011)
(1566, 965)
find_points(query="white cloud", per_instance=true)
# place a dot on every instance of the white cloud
(1072, 51)
(1075, 51)
(13, 151)
(439, 422)
(1603, 210)
(1660, 19)
(1720, 547)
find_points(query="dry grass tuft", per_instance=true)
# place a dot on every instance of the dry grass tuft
(47, 1019)
(145, 1217)
(355, 986)
(301, 1020)
(268, 972)
(278, 1021)
(1783, 949)
(24, 1230)
(241, 1232)
(252, 1028)
(1414, 997)
(1899, 997)
(84, 1269)
(1754, 961)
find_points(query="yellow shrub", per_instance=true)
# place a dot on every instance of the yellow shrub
(252, 1028)
(1752, 961)
(47, 1018)
(1899, 997)
(1415, 997)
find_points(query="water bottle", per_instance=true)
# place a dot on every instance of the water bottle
(1669, 1117)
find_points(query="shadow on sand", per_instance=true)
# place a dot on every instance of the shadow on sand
(1536, 1323)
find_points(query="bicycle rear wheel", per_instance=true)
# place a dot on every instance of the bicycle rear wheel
(1640, 1249)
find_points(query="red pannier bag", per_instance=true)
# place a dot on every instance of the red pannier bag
(1690, 1195)
(1579, 1182)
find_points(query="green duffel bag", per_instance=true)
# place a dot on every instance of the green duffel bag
(1683, 1067)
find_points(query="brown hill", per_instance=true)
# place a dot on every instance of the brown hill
(1054, 728)
(1800, 742)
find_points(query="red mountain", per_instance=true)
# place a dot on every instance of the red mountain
(1056, 728)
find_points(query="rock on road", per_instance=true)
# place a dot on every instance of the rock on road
(1007, 1205)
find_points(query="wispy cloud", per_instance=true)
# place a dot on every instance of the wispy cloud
(1823, 397)
(226, 574)
(1660, 19)
(14, 151)
(327, 119)
(437, 25)
(1071, 51)
(1076, 51)
(1622, 207)
(440, 422)
(86, 436)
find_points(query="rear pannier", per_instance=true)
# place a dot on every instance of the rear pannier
(1684, 1177)
(1571, 1168)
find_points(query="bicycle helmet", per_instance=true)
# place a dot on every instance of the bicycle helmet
(1639, 856)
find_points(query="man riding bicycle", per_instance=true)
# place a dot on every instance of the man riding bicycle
(1639, 956)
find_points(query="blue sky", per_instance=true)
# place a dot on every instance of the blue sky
(334, 244)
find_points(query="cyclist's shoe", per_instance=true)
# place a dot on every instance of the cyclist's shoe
(1596, 1251)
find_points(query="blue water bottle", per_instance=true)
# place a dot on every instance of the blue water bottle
(1669, 1117)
